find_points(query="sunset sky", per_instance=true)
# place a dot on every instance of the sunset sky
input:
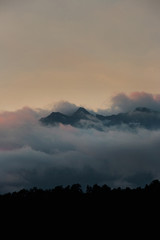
(58, 55)
(81, 51)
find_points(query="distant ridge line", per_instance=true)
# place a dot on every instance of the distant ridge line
(140, 117)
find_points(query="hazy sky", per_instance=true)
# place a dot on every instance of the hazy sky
(82, 51)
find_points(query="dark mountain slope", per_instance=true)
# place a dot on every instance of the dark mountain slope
(140, 117)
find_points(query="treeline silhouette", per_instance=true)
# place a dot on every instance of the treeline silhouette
(96, 205)
(75, 192)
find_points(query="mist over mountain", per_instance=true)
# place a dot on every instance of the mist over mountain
(118, 146)
(140, 117)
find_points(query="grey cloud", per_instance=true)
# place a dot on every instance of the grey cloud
(125, 103)
(65, 107)
(33, 155)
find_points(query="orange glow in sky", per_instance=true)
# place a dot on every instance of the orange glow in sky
(78, 51)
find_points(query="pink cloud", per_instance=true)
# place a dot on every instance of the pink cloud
(67, 127)
(139, 95)
(17, 118)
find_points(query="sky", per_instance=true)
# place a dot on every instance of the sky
(58, 55)
(83, 52)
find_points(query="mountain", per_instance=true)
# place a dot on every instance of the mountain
(81, 113)
(139, 117)
(56, 117)
(143, 109)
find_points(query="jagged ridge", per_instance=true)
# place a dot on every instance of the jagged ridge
(141, 117)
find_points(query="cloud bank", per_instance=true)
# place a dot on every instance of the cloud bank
(34, 155)
(124, 103)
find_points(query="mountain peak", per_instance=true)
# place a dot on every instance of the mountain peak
(143, 109)
(140, 117)
(81, 110)
(55, 117)
(56, 114)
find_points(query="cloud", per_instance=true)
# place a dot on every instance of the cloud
(125, 103)
(65, 107)
(57, 50)
(34, 155)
